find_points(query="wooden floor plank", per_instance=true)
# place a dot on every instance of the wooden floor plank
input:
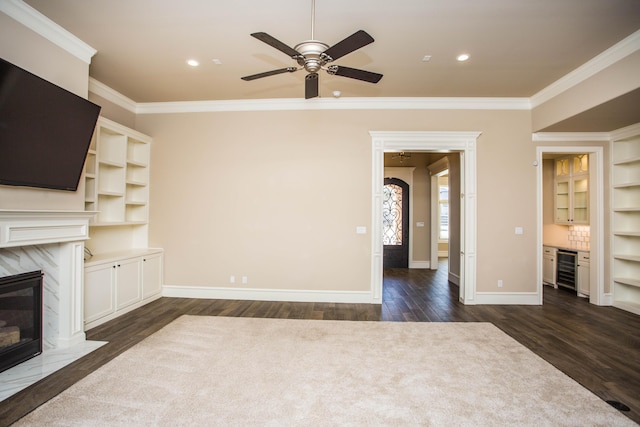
(599, 347)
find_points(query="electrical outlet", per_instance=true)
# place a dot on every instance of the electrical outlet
(500, 283)
(232, 279)
(245, 280)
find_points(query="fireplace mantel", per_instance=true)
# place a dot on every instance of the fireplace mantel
(36, 227)
(51, 241)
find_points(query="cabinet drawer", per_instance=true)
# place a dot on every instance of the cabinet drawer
(584, 257)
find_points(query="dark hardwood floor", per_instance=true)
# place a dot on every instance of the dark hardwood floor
(599, 347)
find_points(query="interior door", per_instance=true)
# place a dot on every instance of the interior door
(395, 213)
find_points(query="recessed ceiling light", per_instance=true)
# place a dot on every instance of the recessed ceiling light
(193, 62)
(463, 57)
(216, 61)
(426, 58)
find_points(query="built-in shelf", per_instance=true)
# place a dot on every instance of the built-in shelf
(627, 281)
(117, 175)
(627, 185)
(635, 258)
(625, 220)
(627, 161)
(122, 273)
(627, 233)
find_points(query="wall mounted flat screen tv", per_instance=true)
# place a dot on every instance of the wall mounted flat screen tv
(45, 131)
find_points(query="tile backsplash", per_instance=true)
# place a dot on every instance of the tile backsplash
(579, 236)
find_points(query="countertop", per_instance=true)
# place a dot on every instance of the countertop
(567, 247)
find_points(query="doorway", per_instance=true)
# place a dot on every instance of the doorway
(465, 144)
(597, 294)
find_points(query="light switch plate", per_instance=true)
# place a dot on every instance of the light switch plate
(519, 230)
(361, 230)
(420, 224)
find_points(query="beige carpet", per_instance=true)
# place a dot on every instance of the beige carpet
(239, 371)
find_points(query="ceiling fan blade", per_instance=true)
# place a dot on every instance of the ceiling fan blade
(355, 41)
(269, 73)
(354, 73)
(311, 86)
(273, 42)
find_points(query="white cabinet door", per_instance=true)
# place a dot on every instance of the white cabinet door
(151, 275)
(549, 265)
(584, 267)
(99, 298)
(128, 283)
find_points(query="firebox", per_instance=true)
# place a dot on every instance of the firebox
(20, 318)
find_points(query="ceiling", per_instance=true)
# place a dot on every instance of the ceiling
(517, 48)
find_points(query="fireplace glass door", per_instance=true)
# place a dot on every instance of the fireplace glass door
(20, 318)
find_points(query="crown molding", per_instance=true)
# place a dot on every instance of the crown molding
(288, 104)
(295, 104)
(617, 52)
(104, 91)
(40, 24)
(571, 136)
(626, 132)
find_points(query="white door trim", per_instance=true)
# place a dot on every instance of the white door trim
(463, 142)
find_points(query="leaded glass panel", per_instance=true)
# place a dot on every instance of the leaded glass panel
(392, 215)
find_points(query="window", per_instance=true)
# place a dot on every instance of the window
(392, 215)
(443, 206)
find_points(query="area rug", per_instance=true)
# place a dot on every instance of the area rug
(209, 371)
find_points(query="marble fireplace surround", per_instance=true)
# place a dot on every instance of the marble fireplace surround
(51, 241)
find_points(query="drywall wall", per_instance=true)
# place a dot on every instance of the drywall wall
(114, 112)
(26, 49)
(277, 195)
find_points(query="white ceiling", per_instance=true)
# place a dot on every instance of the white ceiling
(517, 47)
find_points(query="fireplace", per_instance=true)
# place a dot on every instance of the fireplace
(20, 318)
(52, 242)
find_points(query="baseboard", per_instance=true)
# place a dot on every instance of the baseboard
(507, 298)
(454, 278)
(364, 297)
(100, 321)
(607, 299)
(420, 264)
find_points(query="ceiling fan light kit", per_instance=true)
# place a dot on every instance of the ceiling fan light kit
(313, 56)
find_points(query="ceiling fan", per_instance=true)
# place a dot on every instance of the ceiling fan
(313, 56)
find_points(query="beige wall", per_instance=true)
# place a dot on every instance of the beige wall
(114, 112)
(277, 196)
(617, 79)
(43, 58)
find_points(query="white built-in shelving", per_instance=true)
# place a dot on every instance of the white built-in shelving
(122, 273)
(625, 220)
(117, 175)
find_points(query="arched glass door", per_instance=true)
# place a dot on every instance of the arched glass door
(395, 220)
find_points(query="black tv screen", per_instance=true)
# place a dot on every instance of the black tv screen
(45, 131)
